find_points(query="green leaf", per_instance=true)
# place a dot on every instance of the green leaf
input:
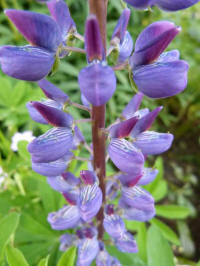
(172, 211)
(158, 165)
(68, 258)
(159, 251)
(8, 226)
(167, 232)
(142, 242)
(15, 257)
(44, 262)
(160, 190)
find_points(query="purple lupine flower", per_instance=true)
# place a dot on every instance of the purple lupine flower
(121, 38)
(112, 188)
(166, 5)
(89, 201)
(97, 81)
(155, 75)
(54, 168)
(104, 259)
(125, 156)
(66, 241)
(126, 243)
(88, 247)
(66, 217)
(45, 35)
(64, 182)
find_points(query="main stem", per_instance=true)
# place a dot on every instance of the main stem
(99, 8)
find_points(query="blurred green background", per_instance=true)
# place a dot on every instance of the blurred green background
(176, 189)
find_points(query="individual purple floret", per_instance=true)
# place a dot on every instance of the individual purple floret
(97, 81)
(66, 241)
(104, 259)
(121, 38)
(166, 5)
(45, 35)
(157, 75)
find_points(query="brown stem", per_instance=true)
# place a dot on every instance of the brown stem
(99, 8)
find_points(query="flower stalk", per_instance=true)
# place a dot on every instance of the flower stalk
(99, 8)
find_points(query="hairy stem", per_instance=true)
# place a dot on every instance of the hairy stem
(99, 8)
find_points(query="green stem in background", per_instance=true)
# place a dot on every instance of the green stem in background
(99, 8)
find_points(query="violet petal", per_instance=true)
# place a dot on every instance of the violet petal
(121, 27)
(52, 145)
(152, 41)
(149, 174)
(90, 201)
(98, 83)
(39, 30)
(67, 217)
(140, 4)
(175, 5)
(133, 105)
(125, 156)
(125, 48)
(52, 92)
(161, 80)
(26, 62)
(87, 251)
(151, 142)
(53, 116)
(114, 225)
(127, 243)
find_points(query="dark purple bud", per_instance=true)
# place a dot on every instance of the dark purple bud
(55, 168)
(26, 62)
(123, 128)
(90, 201)
(65, 218)
(153, 41)
(98, 83)
(125, 156)
(87, 232)
(132, 106)
(93, 42)
(175, 5)
(87, 251)
(38, 29)
(88, 177)
(52, 92)
(161, 80)
(109, 209)
(60, 12)
(121, 27)
(51, 146)
(145, 122)
(66, 241)
(140, 4)
(114, 225)
(149, 174)
(127, 243)
(53, 116)
(151, 142)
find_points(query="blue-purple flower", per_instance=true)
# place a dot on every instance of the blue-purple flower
(46, 36)
(167, 5)
(158, 74)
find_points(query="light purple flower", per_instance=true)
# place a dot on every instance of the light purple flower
(67, 217)
(127, 243)
(90, 201)
(87, 251)
(66, 241)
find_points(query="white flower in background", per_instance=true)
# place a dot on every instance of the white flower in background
(27, 135)
(3, 175)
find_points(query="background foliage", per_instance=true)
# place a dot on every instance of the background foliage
(173, 236)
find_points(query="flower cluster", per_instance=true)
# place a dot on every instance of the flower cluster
(155, 73)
